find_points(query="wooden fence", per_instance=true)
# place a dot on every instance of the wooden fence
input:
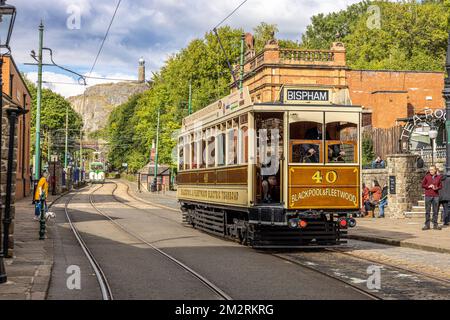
(385, 141)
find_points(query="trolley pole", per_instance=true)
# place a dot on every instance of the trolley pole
(447, 108)
(37, 165)
(241, 68)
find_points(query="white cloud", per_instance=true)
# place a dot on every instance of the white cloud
(68, 86)
(153, 29)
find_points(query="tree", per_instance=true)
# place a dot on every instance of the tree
(53, 121)
(412, 36)
(132, 126)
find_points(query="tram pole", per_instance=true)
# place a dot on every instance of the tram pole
(37, 165)
(447, 108)
(66, 147)
(155, 178)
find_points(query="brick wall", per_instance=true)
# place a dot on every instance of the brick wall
(391, 95)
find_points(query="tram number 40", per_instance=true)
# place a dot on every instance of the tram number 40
(330, 177)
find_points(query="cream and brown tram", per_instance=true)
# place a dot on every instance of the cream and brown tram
(283, 174)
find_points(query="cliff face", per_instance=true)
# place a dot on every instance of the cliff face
(101, 100)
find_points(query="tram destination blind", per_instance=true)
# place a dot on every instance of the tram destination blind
(293, 95)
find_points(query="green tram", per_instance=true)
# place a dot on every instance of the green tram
(97, 172)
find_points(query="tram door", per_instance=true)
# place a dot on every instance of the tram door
(269, 156)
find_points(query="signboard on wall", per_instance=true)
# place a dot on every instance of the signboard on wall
(392, 185)
(306, 95)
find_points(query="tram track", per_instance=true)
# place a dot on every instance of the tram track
(211, 286)
(339, 251)
(99, 273)
(359, 290)
(409, 270)
(366, 293)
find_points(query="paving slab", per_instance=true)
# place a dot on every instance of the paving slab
(403, 233)
(30, 269)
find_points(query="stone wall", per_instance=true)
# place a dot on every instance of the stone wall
(369, 175)
(4, 163)
(408, 179)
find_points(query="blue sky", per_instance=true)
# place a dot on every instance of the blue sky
(153, 29)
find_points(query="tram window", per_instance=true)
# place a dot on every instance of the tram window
(187, 154)
(232, 146)
(194, 155)
(342, 141)
(202, 156)
(211, 156)
(181, 154)
(306, 142)
(221, 149)
(243, 145)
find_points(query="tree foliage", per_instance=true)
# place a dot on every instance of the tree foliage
(132, 126)
(53, 121)
(412, 35)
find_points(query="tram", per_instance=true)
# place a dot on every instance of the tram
(97, 172)
(273, 175)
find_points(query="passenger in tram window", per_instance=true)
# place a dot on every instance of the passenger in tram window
(335, 154)
(312, 155)
(271, 190)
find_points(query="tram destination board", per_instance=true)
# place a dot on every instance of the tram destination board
(295, 95)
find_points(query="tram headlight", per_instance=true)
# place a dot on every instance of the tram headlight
(293, 223)
(351, 223)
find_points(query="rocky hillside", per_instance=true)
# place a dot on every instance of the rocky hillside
(101, 100)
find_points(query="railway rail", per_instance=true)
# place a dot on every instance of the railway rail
(215, 289)
(364, 292)
(100, 275)
(338, 251)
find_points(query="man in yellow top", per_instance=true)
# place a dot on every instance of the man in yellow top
(41, 189)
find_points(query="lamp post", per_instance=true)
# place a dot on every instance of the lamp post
(155, 179)
(433, 133)
(447, 108)
(7, 18)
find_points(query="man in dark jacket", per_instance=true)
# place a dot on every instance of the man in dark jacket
(444, 199)
(432, 184)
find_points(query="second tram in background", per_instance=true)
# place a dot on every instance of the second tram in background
(284, 174)
(97, 170)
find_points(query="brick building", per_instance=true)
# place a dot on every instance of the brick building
(385, 95)
(392, 95)
(15, 95)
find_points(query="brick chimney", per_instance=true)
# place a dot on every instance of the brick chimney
(141, 70)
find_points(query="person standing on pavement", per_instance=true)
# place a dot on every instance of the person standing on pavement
(431, 183)
(384, 200)
(41, 192)
(444, 199)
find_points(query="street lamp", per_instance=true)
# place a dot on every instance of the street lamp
(447, 108)
(433, 134)
(7, 18)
